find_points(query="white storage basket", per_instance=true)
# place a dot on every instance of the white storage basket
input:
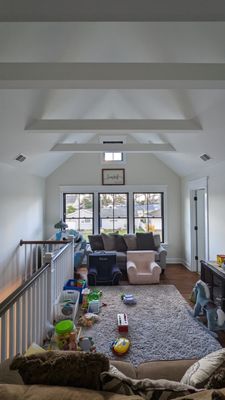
(66, 306)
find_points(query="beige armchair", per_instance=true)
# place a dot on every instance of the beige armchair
(142, 268)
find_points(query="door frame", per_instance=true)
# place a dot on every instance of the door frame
(195, 185)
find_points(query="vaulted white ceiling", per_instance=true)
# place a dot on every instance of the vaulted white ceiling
(155, 82)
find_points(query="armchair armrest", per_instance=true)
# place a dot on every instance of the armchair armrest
(116, 270)
(154, 267)
(131, 266)
(161, 250)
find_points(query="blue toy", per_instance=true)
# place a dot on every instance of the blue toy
(202, 296)
(128, 299)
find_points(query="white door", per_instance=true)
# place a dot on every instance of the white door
(198, 228)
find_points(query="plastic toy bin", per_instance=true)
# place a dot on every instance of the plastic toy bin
(76, 284)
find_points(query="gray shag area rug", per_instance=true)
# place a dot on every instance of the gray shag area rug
(161, 325)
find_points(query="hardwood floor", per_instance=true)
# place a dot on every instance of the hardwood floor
(184, 280)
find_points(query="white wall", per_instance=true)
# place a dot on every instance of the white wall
(216, 210)
(85, 169)
(21, 215)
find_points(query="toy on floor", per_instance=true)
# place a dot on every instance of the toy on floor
(85, 292)
(65, 334)
(86, 344)
(120, 346)
(215, 317)
(94, 306)
(202, 296)
(94, 295)
(122, 322)
(128, 299)
(88, 319)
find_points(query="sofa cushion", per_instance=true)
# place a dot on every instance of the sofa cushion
(171, 370)
(131, 241)
(120, 244)
(145, 241)
(109, 242)
(63, 368)
(96, 242)
(125, 367)
(39, 392)
(8, 376)
(199, 374)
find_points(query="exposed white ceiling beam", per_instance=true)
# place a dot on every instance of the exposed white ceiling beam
(99, 148)
(112, 75)
(108, 10)
(96, 125)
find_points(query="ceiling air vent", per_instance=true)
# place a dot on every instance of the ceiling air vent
(112, 141)
(20, 158)
(205, 157)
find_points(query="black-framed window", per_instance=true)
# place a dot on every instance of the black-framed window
(113, 212)
(78, 212)
(149, 213)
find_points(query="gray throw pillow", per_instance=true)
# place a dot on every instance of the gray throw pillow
(96, 242)
(145, 241)
(109, 242)
(131, 241)
(120, 244)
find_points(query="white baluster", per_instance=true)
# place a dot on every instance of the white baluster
(18, 326)
(34, 313)
(29, 318)
(24, 322)
(3, 337)
(11, 332)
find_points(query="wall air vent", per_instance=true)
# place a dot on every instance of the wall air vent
(205, 157)
(20, 158)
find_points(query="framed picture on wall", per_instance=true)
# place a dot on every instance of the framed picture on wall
(113, 176)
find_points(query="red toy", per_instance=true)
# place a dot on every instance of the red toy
(122, 322)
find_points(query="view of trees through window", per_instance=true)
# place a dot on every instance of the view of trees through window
(148, 213)
(113, 212)
(78, 212)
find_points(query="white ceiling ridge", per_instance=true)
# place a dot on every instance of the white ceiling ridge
(96, 125)
(99, 148)
(112, 75)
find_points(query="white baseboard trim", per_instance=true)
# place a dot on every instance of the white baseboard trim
(179, 261)
(174, 260)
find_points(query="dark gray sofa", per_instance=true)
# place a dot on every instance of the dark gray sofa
(121, 243)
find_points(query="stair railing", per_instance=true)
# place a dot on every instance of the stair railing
(24, 314)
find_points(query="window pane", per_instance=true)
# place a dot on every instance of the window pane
(73, 224)
(108, 156)
(106, 225)
(117, 157)
(141, 225)
(120, 205)
(120, 225)
(155, 226)
(140, 204)
(86, 206)
(72, 203)
(106, 205)
(154, 205)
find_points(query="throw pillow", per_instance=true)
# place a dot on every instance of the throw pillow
(109, 242)
(115, 381)
(216, 381)
(131, 241)
(199, 374)
(120, 244)
(145, 241)
(63, 368)
(96, 242)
